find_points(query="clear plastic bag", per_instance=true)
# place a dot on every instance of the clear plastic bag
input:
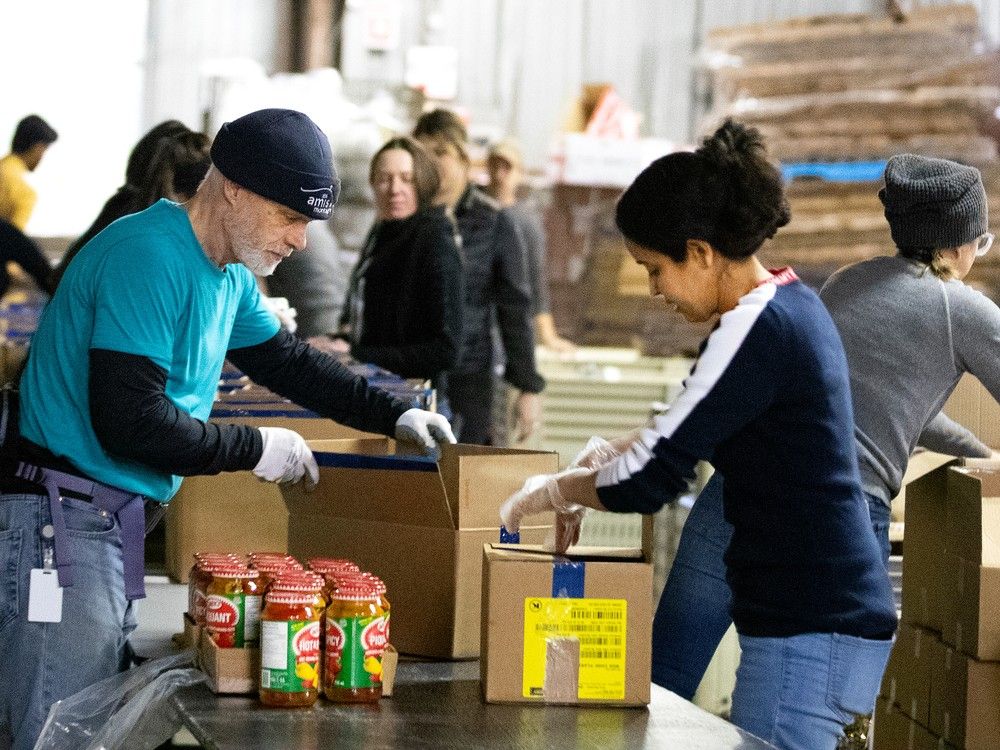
(129, 710)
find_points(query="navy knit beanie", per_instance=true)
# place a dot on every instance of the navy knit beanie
(281, 155)
(933, 203)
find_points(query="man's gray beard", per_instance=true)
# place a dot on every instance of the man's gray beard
(256, 260)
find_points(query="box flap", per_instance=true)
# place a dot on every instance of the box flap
(368, 479)
(537, 553)
(924, 462)
(478, 479)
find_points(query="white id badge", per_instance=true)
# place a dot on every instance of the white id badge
(44, 596)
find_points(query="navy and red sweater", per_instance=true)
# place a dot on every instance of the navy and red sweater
(768, 403)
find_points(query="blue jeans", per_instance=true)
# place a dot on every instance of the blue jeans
(45, 662)
(799, 692)
(693, 613)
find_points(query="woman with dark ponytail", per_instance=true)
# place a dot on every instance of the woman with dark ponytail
(768, 404)
(169, 161)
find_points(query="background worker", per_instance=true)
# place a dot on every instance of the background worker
(497, 290)
(404, 303)
(119, 385)
(505, 170)
(32, 138)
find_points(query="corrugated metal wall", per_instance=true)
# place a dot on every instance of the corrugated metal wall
(521, 61)
(188, 36)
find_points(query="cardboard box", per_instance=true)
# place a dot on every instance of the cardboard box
(923, 549)
(965, 701)
(973, 601)
(390, 660)
(230, 670)
(571, 629)
(235, 511)
(228, 512)
(907, 680)
(895, 731)
(973, 527)
(971, 405)
(190, 636)
(921, 463)
(421, 526)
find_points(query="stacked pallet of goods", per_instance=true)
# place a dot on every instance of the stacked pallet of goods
(836, 96)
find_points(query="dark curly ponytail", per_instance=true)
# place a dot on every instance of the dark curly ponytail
(726, 193)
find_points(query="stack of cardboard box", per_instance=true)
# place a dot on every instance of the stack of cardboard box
(837, 95)
(942, 684)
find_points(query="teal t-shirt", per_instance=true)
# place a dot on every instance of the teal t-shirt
(142, 286)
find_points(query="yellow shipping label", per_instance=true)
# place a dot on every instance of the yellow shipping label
(596, 627)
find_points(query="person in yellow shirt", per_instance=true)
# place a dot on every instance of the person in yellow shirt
(32, 137)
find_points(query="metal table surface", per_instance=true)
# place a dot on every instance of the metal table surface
(438, 705)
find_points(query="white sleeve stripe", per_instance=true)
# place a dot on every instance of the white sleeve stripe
(722, 345)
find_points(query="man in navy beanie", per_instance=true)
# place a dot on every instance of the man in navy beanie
(117, 392)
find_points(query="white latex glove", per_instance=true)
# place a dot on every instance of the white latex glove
(425, 428)
(540, 494)
(286, 458)
(285, 313)
(596, 453)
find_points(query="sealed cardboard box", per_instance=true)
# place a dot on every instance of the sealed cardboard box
(571, 629)
(418, 524)
(973, 600)
(965, 701)
(896, 731)
(973, 526)
(972, 406)
(907, 679)
(923, 549)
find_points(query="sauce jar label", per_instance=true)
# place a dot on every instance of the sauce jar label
(289, 655)
(354, 648)
(223, 618)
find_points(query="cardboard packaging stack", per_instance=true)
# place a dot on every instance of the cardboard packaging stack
(422, 525)
(942, 684)
(837, 95)
(236, 512)
(572, 629)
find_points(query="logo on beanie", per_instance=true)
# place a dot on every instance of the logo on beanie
(321, 203)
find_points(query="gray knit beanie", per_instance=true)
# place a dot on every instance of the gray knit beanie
(933, 203)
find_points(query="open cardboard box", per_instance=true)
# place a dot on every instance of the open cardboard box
(417, 524)
(571, 629)
(236, 511)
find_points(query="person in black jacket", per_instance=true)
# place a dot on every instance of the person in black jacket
(404, 303)
(497, 290)
(169, 161)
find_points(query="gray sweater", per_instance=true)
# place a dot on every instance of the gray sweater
(909, 336)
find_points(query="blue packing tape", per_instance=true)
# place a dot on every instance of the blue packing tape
(507, 537)
(568, 578)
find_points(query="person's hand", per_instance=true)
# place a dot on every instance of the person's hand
(286, 458)
(285, 313)
(547, 336)
(541, 494)
(425, 428)
(329, 345)
(527, 415)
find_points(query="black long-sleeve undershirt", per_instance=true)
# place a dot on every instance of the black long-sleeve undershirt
(133, 418)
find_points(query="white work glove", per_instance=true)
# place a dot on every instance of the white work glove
(426, 429)
(284, 312)
(540, 494)
(286, 458)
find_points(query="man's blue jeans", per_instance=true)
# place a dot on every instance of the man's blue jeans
(44, 662)
(693, 613)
